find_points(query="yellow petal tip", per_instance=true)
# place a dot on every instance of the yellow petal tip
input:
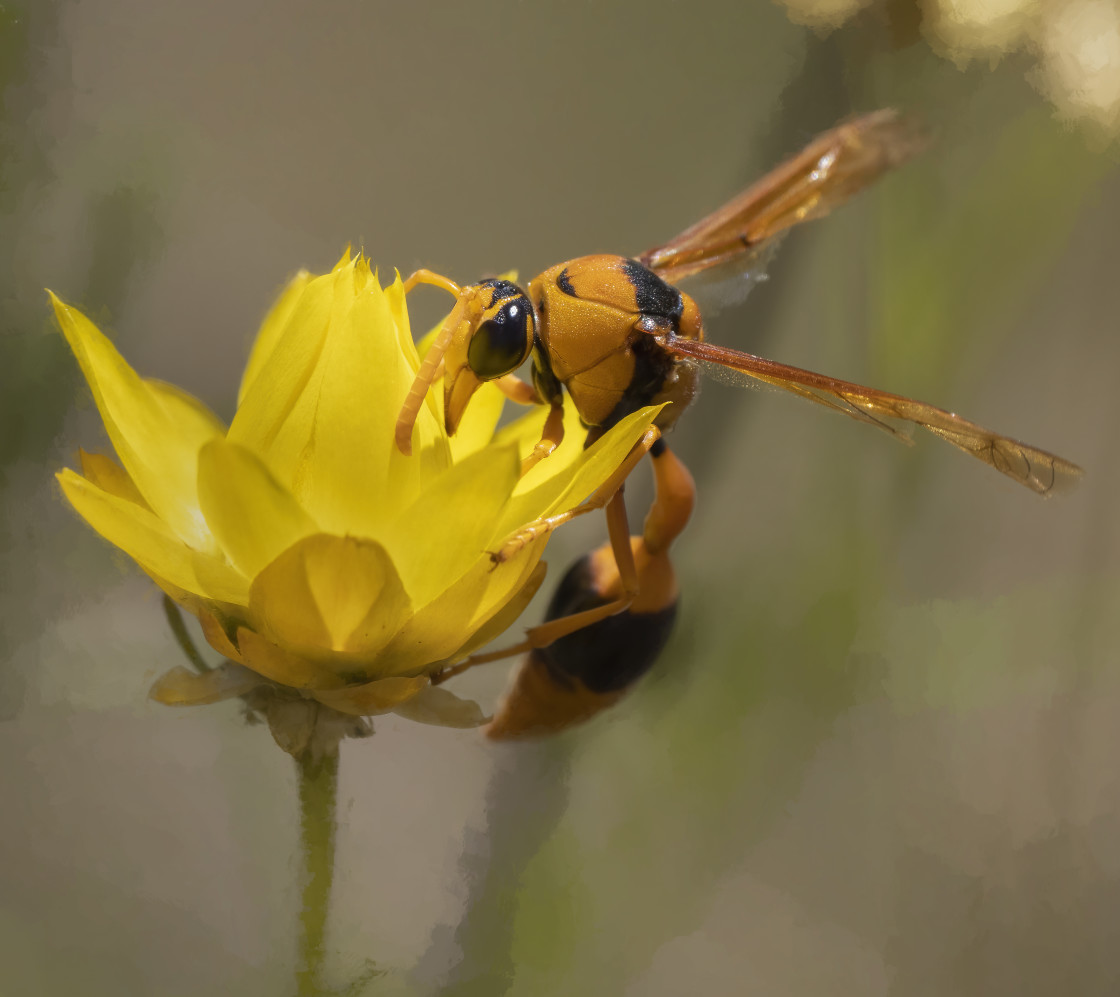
(343, 259)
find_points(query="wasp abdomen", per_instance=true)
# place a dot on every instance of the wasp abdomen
(612, 654)
(585, 672)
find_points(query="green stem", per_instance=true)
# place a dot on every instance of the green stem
(318, 788)
(182, 638)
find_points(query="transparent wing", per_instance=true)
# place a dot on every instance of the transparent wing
(728, 284)
(828, 171)
(1040, 471)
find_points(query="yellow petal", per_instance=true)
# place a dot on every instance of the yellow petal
(216, 636)
(324, 419)
(446, 530)
(182, 687)
(282, 373)
(253, 517)
(502, 617)
(378, 696)
(193, 419)
(156, 434)
(507, 581)
(580, 478)
(283, 666)
(272, 331)
(110, 477)
(436, 631)
(434, 399)
(150, 542)
(440, 707)
(330, 593)
(395, 296)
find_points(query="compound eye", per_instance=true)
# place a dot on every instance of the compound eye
(501, 343)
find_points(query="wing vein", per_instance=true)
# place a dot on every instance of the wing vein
(1020, 461)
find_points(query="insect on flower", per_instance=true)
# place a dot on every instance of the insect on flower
(334, 575)
(617, 335)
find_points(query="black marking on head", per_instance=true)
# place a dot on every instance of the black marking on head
(500, 289)
(658, 447)
(564, 282)
(653, 295)
(611, 654)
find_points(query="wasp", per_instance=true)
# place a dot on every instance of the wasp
(614, 334)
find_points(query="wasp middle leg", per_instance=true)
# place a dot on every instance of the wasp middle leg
(598, 499)
(558, 625)
(590, 668)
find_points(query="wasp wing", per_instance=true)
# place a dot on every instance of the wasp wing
(828, 171)
(1038, 470)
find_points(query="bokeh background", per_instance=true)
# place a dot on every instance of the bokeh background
(880, 755)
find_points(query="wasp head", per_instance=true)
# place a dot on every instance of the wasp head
(498, 341)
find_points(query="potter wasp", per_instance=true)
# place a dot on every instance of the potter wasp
(615, 335)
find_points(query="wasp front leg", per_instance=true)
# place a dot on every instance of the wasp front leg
(462, 317)
(425, 276)
(488, 335)
(590, 668)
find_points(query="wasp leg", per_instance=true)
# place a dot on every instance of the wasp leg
(554, 628)
(645, 567)
(645, 570)
(524, 393)
(425, 276)
(551, 437)
(599, 498)
(673, 500)
(539, 636)
(590, 669)
(516, 390)
(465, 313)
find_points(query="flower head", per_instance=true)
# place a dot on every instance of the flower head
(324, 564)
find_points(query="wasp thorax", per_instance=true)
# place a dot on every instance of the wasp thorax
(504, 335)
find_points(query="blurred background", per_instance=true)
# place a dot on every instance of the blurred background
(880, 754)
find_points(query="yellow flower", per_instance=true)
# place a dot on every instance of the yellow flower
(323, 563)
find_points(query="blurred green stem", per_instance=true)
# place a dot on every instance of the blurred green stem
(182, 638)
(318, 785)
(318, 792)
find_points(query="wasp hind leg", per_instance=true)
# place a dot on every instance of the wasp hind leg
(588, 668)
(558, 625)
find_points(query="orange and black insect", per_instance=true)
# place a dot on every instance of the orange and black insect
(615, 334)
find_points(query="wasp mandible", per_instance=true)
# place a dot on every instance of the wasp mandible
(615, 334)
